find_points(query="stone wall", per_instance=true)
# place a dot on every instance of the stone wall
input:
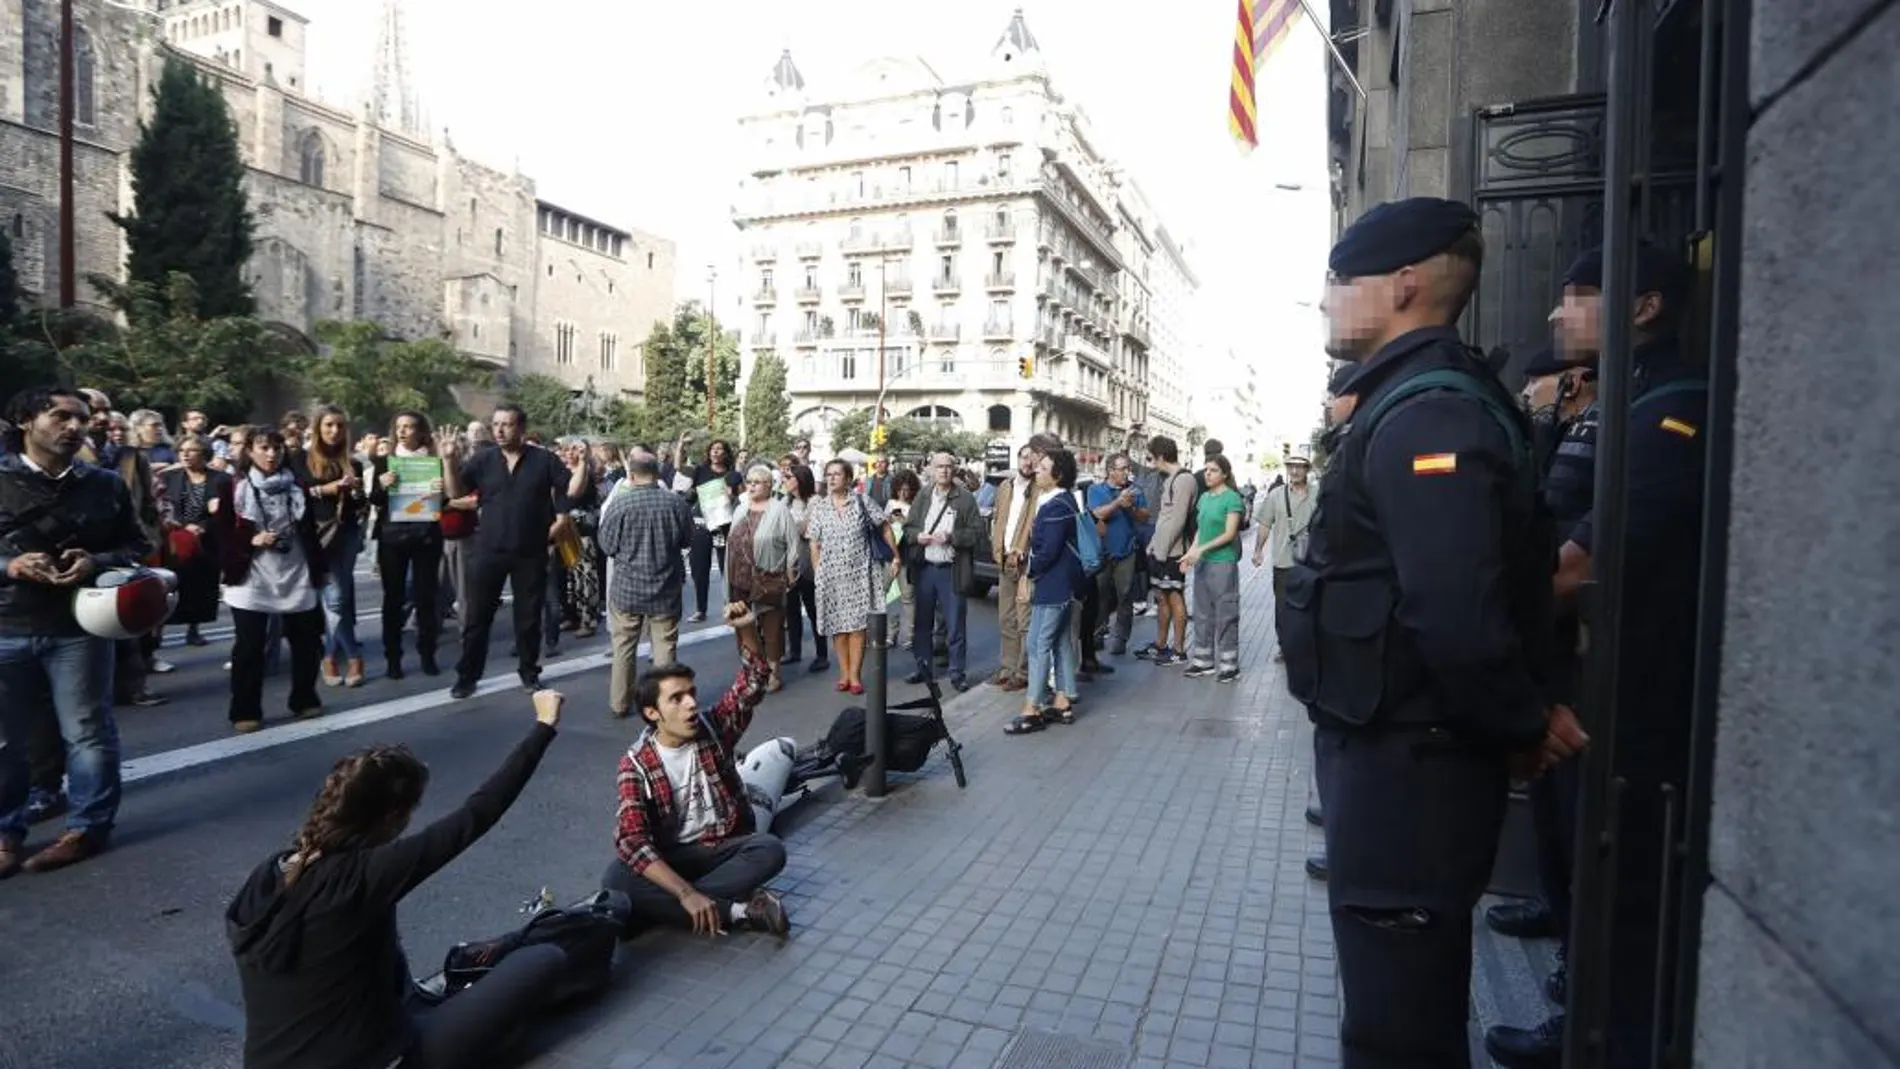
(301, 266)
(597, 294)
(1801, 939)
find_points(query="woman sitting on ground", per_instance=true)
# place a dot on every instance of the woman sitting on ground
(313, 929)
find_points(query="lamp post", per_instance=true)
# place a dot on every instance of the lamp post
(68, 278)
(712, 338)
(883, 312)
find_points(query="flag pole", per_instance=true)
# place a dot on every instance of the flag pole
(1333, 47)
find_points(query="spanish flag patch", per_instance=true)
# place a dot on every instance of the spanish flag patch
(1676, 426)
(1435, 464)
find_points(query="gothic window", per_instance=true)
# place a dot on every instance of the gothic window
(310, 160)
(85, 73)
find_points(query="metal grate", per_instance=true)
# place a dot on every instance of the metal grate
(1053, 1050)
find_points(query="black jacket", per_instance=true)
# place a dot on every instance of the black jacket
(88, 508)
(321, 965)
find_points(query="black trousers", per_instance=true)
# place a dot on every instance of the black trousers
(699, 560)
(305, 632)
(727, 873)
(476, 1025)
(486, 573)
(410, 564)
(1554, 816)
(1412, 826)
(800, 603)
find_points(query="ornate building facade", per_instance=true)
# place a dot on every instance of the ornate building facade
(360, 214)
(961, 247)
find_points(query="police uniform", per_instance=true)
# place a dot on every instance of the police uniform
(1408, 634)
(1662, 566)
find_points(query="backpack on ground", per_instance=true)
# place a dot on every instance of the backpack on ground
(588, 931)
(908, 739)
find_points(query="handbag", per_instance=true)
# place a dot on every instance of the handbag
(874, 536)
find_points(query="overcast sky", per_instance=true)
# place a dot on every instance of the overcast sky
(627, 111)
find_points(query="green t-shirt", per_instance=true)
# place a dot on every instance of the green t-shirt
(1211, 522)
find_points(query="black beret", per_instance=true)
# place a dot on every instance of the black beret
(1399, 234)
(1657, 271)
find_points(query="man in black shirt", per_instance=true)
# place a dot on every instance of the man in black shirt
(523, 492)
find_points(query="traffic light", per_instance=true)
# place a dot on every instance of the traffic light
(1026, 367)
(878, 436)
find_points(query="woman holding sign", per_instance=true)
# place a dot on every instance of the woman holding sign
(407, 491)
(715, 491)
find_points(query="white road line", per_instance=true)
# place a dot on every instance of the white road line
(137, 769)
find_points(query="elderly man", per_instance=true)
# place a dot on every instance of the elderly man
(644, 528)
(945, 526)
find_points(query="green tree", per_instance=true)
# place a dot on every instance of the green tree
(166, 356)
(548, 402)
(189, 211)
(676, 377)
(768, 408)
(25, 359)
(906, 437)
(852, 431)
(373, 376)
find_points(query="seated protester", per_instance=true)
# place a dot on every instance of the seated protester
(689, 854)
(322, 969)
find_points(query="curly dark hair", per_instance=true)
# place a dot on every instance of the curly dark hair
(363, 802)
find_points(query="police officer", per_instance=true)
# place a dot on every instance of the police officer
(1663, 558)
(1412, 633)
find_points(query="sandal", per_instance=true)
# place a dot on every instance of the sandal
(1060, 716)
(1025, 725)
(774, 684)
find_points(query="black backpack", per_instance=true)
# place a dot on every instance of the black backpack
(588, 931)
(909, 738)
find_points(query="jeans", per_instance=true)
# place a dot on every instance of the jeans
(1214, 633)
(728, 873)
(936, 587)
(339, 599)
(1050, 645)
(77, 674)
(305, 632)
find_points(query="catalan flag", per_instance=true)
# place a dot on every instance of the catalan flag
(1264, 25)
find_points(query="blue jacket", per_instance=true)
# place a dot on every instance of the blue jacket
(1053, 566)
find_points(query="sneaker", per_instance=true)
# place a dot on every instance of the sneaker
(144, 699)
(246, 727)
(163, 667)
(1162, 658)
(1149, 653)
(766, 913)
(69, 849)
(696, 618)
(1227, 675)
(1198, 671)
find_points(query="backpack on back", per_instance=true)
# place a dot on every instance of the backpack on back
(1088, 542)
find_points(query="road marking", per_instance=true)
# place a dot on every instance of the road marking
(138, 769)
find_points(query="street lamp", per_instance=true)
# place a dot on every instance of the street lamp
(883, 313)
(712, 337)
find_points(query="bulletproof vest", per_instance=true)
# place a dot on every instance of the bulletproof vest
(1346, 656)
(1570, 479)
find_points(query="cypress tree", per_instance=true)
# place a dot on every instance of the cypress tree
(189, 211)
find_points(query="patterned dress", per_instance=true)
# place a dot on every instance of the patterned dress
(848, 581)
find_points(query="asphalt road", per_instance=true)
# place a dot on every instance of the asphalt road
(122, 961)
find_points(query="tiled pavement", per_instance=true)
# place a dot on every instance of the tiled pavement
(1135, 878)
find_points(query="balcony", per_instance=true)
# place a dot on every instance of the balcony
(858, 243)
(765, 295)
(997, 282)
(895, 241)
(943, 285)
(946, 331)
(1137, 331)
(851, 291)
(1085, 347)
(811, 250)
(764, 254)
(765, 339)
(949, 237)
(806, 339)
(897, 287)
(996, 329)
(810, 295)
(1000, 233)
(1049, 338)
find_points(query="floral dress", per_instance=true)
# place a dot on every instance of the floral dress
(847, 579)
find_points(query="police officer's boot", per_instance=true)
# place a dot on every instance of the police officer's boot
(1541, 1047)
(1316, 867)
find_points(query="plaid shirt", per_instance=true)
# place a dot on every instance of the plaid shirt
(648, 817)
(644, 528)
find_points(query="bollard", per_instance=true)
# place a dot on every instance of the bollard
(876, 679)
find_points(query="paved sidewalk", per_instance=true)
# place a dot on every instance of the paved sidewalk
(1131, 884)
